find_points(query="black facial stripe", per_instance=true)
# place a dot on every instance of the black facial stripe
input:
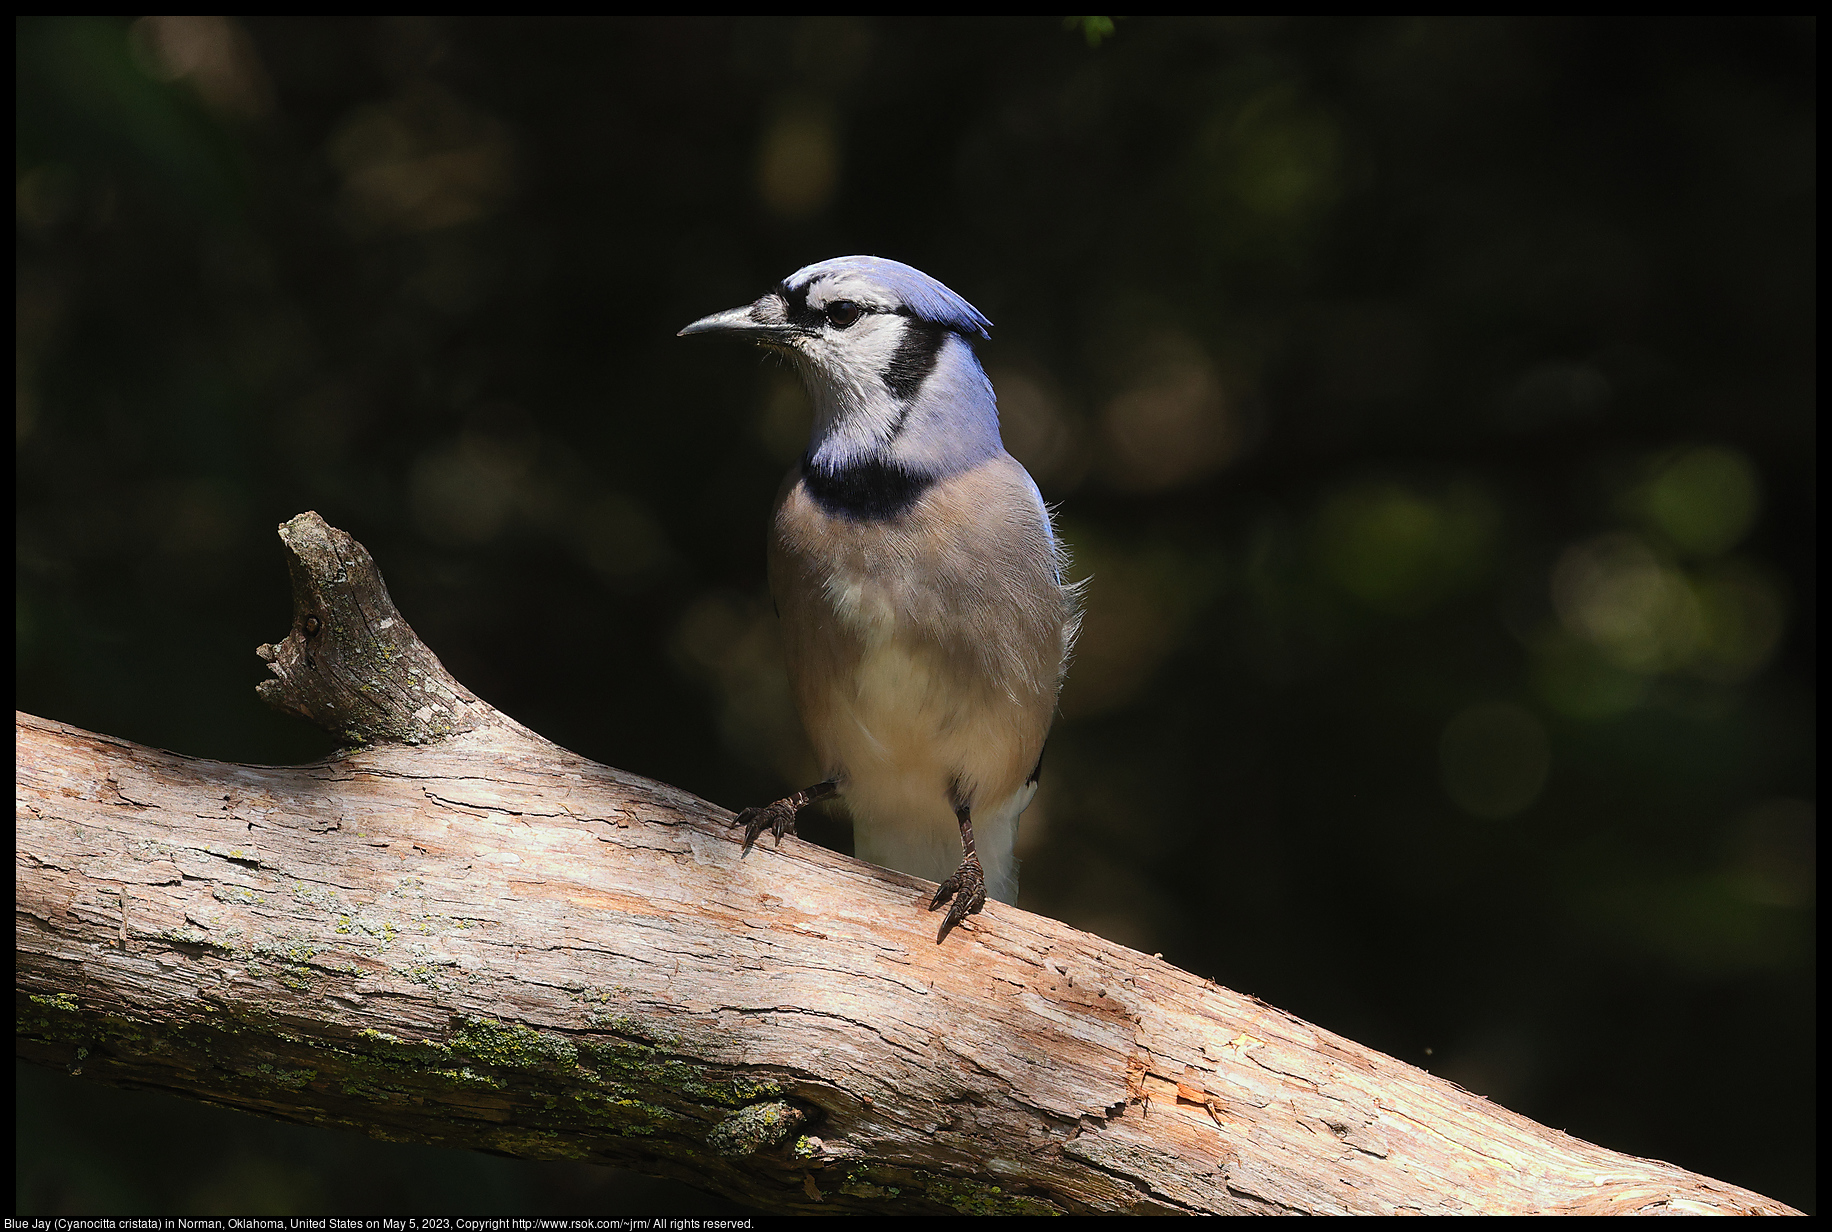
(915, 357)
(869, 491)
(795, 305)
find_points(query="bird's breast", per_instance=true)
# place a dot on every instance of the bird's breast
(956, 603)
(864, 607)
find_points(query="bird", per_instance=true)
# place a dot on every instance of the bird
(926, 620)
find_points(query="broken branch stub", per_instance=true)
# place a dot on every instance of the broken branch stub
(352, 665)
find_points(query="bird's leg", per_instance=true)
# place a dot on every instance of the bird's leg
(968, 885)
(779, 818)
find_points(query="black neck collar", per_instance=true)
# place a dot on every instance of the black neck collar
(871, 489)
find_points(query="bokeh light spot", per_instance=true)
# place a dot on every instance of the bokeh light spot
(421, 162)
(1400, 551)
(1639, 612)
(798, 161)
(1037, 430)
(1744, 614)
(1173, 423)
(1278, 154)
(1704, 501)
(214, 53)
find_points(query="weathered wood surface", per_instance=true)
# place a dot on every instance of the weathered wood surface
(492, 943)
(486, 941)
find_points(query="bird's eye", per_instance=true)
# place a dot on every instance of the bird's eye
(844, 313)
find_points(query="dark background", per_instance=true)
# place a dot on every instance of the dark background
(1430, 401)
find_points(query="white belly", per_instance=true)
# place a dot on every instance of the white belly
(912, 736)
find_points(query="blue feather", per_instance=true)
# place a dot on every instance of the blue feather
(925, 297)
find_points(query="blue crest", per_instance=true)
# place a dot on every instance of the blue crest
(926, 298)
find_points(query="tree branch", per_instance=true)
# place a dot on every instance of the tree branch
(460, 933)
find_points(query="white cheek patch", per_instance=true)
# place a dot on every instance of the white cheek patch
(872, 341)
(852, 406)
(858, 354)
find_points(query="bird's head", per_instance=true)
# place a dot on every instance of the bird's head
(887, 355)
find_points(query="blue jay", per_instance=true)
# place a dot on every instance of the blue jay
(925, 621)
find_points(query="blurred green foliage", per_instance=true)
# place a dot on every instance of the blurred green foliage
(1704, 500)
(1430, 401)
(1399, 551)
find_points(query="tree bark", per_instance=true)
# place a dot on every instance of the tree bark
(460, 933)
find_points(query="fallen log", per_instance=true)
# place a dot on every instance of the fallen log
(456, 932)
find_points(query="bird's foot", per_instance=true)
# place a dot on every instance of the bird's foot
(968, 890)
(777, 818)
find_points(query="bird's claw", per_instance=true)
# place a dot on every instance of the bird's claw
(968, 890)
(777, 818)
